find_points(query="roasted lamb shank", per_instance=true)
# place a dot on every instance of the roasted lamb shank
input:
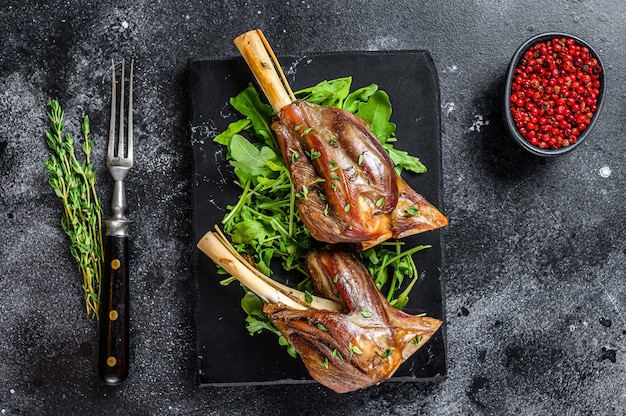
(348, 187)
(348, 336)
(360, 346)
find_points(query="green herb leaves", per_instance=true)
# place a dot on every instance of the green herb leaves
(390, 265)
(74, 182)
(324, 363)
(377, 111)
(249, 104)
(354, 349)
(388, 353)
(332, 92)
(251, 162)
(264, 222)
(256, 321)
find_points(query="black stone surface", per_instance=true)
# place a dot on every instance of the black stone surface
(534, 255)
(220, 329)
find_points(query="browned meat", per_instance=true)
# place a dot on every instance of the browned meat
(360, 347)
(348, 189)
(413, 213)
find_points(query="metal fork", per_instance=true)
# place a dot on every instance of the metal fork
(114, 289)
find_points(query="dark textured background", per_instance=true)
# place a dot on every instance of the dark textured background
(534, 255)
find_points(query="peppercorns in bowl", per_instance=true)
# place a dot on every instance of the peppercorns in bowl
(553, 93)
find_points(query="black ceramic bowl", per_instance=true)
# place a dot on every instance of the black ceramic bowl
(510, 77)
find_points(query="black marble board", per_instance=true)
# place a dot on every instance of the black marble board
(227, 354)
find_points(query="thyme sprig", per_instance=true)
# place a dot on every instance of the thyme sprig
(74, 182)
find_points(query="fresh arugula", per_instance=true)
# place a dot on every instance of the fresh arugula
(264, 223)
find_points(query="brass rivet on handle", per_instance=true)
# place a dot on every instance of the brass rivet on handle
(111, 361)
(115, 264)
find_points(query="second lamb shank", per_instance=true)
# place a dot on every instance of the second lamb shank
(360, 346)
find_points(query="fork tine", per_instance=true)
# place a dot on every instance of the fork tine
(120, 133)
(111, 147)
(130, 112)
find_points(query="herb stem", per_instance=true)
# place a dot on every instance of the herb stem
(292, 209)
(243, 199)
(407, 253)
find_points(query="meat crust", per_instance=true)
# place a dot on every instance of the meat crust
(349, 191)
(360, 347)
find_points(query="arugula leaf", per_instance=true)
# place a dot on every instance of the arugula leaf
(331, 93)
(249, 104)
(387, 257)
(403, 160)
(251, 303)
(377, 111)
(233, 128)
(358, 96)
(257, 321)
(249, 161)
(247, 231)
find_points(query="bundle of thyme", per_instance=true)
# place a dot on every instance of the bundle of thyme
(74, 182)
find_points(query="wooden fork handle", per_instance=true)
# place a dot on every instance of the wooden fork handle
(114, 313)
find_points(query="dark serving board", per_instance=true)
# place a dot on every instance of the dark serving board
(227, 355)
